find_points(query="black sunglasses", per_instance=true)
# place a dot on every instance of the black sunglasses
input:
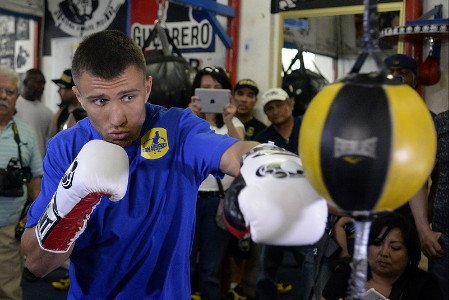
(211, 69)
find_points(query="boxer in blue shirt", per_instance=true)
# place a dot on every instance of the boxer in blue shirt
(138, 246)
(148, 161)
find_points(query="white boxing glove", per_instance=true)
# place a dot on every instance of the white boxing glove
(279, 205)
(100, 169)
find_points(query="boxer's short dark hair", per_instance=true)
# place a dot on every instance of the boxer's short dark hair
(106, 54)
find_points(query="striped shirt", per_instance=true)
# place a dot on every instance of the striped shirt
(10, 207)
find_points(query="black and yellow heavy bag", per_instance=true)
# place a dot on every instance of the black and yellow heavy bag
(367, 143)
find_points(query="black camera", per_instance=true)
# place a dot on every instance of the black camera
(12, 179)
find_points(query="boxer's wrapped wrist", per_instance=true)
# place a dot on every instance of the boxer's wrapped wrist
(56, 233)
(264, 149)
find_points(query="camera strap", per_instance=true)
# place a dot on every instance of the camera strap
(17, 139)
(27, 202)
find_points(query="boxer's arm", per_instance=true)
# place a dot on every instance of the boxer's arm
(34, 187)
(231, 159)
(38, 261)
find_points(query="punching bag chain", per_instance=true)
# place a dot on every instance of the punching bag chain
(370, 35)
(162, 7)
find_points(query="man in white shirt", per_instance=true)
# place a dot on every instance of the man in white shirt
(30, 108)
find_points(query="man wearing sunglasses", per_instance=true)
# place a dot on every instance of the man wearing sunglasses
(18, 150)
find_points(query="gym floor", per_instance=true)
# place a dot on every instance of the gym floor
(41, 289)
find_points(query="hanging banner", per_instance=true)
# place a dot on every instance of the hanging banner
(189, 28)
(287, 5)
(65, 18)
(17, 43)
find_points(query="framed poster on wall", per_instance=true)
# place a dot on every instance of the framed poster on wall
(18, 42)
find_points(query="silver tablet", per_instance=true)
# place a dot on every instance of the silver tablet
(213, 100)
(372, 294)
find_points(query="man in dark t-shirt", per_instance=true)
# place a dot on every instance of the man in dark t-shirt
(244, 252)
(68, 104)
(245, 98)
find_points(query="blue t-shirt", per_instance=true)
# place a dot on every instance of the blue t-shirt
(139, 247)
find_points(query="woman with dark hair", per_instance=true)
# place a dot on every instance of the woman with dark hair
(225, 123)
(210, 241)
(393, 257)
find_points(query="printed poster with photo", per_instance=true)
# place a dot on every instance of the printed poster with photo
(23, 56)
(7, 40)
(189, 28)
(69, 18)
(17, 48)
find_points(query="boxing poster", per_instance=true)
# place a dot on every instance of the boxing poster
(7, 40)
(189, 28)
(23, 56)
(17, 44)
(69, 18)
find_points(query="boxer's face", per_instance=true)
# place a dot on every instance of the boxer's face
(116, 107)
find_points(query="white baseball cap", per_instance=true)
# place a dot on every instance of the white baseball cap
(274, 94)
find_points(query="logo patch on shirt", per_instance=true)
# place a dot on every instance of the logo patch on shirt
(154, 143)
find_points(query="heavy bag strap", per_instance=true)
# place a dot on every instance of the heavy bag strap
(150, 38)
(370, 37)
(165, 38)
(299, 56)
(175, 49)
(220, 187)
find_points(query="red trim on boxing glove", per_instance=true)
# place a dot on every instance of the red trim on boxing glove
(233, 217)
(56, 234)
(240, 234)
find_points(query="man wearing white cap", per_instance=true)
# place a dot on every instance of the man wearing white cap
(283, 131)
(315, 266)
(284, 128)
